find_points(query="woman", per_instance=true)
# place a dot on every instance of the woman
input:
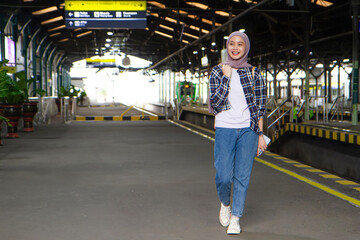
(237, 97)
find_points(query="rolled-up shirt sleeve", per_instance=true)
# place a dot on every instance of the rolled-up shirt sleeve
(260, 93)
(219, 89)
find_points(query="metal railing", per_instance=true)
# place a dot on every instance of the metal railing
(280, 117)
(298, 105)
(339, 107)
(336, 109)
(317, 106)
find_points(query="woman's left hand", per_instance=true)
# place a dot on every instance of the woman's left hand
(261, 145)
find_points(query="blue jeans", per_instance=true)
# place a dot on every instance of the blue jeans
(234, 154)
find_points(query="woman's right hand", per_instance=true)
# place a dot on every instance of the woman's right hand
(226, 69)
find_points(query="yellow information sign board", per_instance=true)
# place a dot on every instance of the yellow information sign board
(9, 69)
(108, 60)
(76, 5)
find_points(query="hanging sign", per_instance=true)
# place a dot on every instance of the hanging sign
(99, 14)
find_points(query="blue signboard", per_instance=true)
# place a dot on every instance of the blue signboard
(105, 14)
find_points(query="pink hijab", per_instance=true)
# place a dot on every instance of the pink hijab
(242, 62)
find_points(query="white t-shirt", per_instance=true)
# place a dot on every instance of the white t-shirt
(238, 116)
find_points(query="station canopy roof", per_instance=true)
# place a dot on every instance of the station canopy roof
(191, 29)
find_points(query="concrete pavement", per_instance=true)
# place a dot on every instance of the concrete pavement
(147, 180)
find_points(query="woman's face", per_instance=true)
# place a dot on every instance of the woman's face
(236, 47)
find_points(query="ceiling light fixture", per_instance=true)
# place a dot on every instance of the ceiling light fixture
(154, 14)
(45, 10)
(166, 27)
(180, 12)
(172, 20)
(55, 34)
(110, 33)
(210, 22)
(163, 34)
(157, 4)
(198, 5)
(56, 19)
(222, 13)
(83, 34)
(57, 28)
(64, 40)
(198, 29)
(185, 13)
(322, 3)
(190, 35)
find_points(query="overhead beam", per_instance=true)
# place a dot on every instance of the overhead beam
(210, 33)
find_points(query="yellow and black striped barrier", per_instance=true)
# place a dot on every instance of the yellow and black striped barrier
(345, 114)
(118, 118)
(336, 135)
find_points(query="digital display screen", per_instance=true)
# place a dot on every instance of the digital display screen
(105, 14)
(100, 63)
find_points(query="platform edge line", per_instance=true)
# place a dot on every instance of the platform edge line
(345, 197)
(353, 201)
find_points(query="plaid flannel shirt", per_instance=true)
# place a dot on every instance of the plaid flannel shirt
(254, 90)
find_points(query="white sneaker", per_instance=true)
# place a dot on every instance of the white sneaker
(234, 226)
(224, 215)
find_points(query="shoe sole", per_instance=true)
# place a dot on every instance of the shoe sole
(233, 232)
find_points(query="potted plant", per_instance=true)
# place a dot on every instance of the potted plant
(2, 118)
(82, 98)
(11, 98)
(62, 92)
(70, 92)
(29, 108)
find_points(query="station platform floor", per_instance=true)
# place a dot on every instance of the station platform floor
(154, 180)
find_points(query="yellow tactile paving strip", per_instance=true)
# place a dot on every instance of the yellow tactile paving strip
(321, 173)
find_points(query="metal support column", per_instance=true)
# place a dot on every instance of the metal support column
(40, 54)
(44, 64)
(288, 72)
(355, 61)
(307, 59)
(25, 32)
(34, 56)
(276, 95)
